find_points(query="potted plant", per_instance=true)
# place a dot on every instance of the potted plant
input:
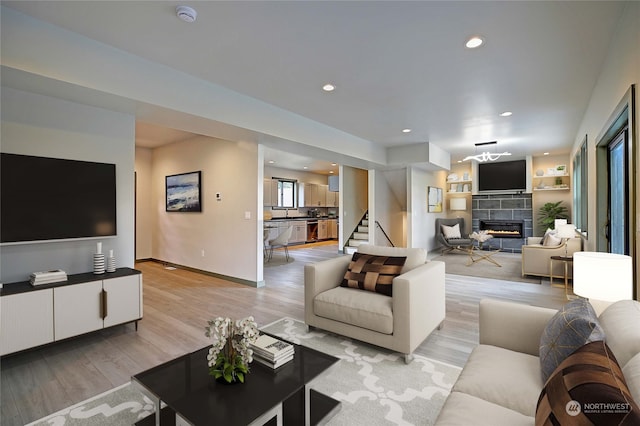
(549, 212)
(230, 353)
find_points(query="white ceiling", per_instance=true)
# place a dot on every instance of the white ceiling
(396, 64)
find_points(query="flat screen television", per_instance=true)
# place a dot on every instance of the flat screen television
(502, 176)
(55, 199)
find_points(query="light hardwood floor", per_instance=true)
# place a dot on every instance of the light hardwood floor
(177, 304)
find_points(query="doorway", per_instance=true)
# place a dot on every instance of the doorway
(616, 194)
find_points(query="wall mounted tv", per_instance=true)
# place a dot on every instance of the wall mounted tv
(55, 199)
(502, 176)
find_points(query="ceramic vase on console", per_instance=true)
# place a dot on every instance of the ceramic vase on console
(111, 262)
(98, 260)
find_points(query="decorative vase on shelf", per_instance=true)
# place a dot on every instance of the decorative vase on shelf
(539, 172)
(230, 353)
(111, 262)
(98, 260)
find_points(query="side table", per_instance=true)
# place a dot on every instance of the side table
(566, 260)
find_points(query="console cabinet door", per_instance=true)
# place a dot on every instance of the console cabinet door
(26, 320)
(122, 299)
(77, 309)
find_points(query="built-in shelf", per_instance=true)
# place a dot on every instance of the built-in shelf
(467, 183)
(551, 188)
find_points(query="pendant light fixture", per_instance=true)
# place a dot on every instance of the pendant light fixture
(486, 155)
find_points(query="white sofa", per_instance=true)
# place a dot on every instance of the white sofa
(400, 322)
(501, 382)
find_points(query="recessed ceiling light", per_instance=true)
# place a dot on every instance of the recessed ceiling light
(331, 171)
(186, 13)
(406, 130)
(546, 153)
(506, 114)
(474, 42)
(459, 161)
(334, 164)
(271, 161)
(305, 167)
(329, 87)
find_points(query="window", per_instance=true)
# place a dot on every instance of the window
(287, 193)
(580, 190)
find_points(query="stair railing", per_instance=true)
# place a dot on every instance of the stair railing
(385, 234)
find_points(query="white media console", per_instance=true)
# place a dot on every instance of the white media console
(33, 316)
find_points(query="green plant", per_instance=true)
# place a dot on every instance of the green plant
(549, 212)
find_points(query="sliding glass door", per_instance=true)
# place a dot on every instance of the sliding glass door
(618, 206)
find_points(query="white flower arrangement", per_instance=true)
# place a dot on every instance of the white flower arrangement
(230, 353)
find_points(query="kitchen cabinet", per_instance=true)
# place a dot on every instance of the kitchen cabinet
(299, 234)
(313, 195)
(332, 199)
(333, 229)
(270, 192)
(323, 229)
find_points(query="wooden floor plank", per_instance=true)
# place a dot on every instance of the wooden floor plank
(177, 304)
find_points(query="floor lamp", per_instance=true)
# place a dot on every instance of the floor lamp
(602, 276)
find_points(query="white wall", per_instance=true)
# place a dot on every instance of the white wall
(229, 240)
(143, 163)
(44, 126)
(388, 211)
(421, 224)
(620, 70)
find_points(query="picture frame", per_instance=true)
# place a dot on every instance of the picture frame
(434, 199)
(183, 192)
(561, 169)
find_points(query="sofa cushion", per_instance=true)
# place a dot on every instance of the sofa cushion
(450, 232)
(504, 377)
(620, 322)
(551, 240)
(463, 409)
(587, 388)
(415, 256)
(631, 373)
(364, 309)
(373, 273)
(574, 325)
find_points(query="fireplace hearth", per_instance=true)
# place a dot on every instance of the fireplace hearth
(503, 228)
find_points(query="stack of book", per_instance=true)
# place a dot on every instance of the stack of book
(272, 352)
(47, 277)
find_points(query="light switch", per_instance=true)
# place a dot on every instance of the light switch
(218, 196)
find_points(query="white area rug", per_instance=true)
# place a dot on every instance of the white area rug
(375, 386)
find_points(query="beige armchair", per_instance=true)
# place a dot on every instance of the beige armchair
(536, 257)
(400, 322)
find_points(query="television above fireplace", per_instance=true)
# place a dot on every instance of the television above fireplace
(502, 176)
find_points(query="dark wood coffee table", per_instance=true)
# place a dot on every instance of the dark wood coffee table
(193, 397)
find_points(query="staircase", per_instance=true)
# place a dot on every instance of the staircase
(359, 236)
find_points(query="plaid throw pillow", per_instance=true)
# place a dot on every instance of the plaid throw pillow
(587, 388)
(373, 273)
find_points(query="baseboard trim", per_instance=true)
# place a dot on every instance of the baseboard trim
(255, 284)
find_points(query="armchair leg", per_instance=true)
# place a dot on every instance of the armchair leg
(408, 358)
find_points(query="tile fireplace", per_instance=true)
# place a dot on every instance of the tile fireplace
(509, 217)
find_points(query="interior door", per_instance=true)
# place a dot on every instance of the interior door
(618, 203)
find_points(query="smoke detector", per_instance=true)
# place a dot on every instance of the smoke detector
(186, 13)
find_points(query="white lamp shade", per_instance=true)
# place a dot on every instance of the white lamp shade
(602, 276)
(566, 231)
(558, 222)
(458, 203)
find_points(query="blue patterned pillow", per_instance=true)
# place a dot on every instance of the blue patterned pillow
(575, 325)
